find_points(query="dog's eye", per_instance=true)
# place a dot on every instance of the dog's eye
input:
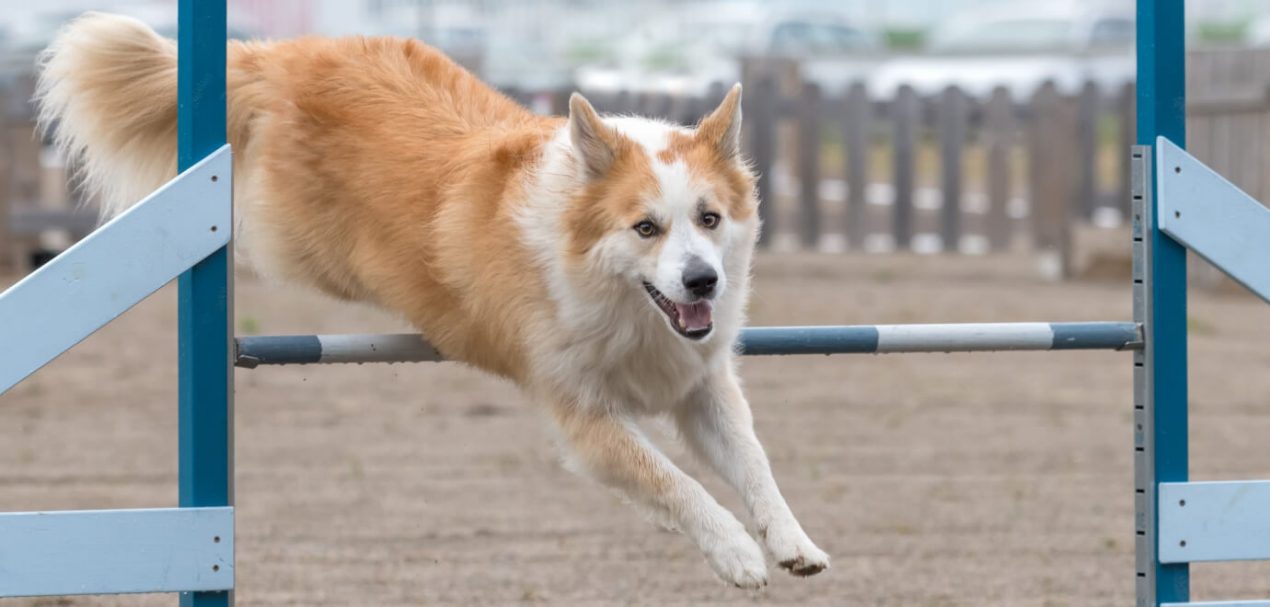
(710, 220)
(646, 229)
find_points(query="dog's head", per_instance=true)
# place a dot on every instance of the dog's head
(666, 214)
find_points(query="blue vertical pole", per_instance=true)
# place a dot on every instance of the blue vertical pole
(205, 299)
(1162, 112)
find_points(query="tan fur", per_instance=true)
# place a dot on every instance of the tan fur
(387, 168)
(377, 170)
(615, 202)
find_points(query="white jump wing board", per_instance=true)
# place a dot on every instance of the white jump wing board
(116, 551)
(1214, 521)
(1202, 210)
(115, 267)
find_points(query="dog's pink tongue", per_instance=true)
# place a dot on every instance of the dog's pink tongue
(694, 316)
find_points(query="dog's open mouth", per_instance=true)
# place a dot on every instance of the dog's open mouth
(694, 320)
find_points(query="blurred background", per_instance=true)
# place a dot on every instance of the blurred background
(920, 161)
(877, 125)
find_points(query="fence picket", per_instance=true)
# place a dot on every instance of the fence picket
(762, 126)
(1052, 169)
(809, 165)
(999, 127)
(858, 112)
(1087, 106)
(905, 112)
(952, 142)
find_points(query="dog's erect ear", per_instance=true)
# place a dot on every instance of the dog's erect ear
(594, 141)
(722, 128)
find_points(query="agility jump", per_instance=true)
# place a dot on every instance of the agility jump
(1178, 203)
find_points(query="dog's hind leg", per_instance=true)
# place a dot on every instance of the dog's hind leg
(716, 422)
(613, 451)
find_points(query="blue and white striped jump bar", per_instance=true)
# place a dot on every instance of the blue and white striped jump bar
(755, 341)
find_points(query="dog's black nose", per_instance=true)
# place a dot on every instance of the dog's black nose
(700, 277)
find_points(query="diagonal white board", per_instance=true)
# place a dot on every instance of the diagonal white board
(115, 267)
(1202, 210)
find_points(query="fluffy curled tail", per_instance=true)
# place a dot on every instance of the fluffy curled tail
(107, 92)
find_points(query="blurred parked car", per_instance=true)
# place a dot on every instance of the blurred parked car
(1019, 47)
(702, 46)
(536, 46)
(1258, 33)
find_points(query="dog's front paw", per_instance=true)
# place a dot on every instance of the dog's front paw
(737, 560)
(794, 551)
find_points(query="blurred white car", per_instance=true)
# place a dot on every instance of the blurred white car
(1020, 47)
(688, 53)
(1258, 32)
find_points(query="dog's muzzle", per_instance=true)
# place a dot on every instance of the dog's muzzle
(692, 320)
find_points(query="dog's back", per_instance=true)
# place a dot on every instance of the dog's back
(109, 84)
(371, 168)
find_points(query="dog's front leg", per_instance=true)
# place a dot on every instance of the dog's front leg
(717, 423)
(613, 451)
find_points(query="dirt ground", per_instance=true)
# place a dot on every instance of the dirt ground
(972, 479)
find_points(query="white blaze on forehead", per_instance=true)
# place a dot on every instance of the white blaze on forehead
(678, 196)
(677, 192)
(651, 135)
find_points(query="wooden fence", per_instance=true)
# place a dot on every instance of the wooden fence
(843, 170)
(38, 213)
(1228, 106)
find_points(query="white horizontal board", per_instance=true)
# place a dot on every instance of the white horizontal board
(1214, 521)
(115, 267)
(116, 551)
